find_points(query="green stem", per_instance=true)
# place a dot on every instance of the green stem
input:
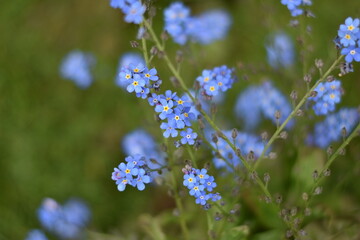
(330, 161)
(296, 109)
(145, 51)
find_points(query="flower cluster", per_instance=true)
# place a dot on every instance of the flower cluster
(331, 129)
(132, 173)
(294, 6)
(125, 61)
(245, 142)
(173, 110)
(67, 221)
(263, 100)
(348, 40)
(133, 9)
(280, 51)
(76, 66)
(200, 185)
(205, 28)
(215, 80)
(328, 94)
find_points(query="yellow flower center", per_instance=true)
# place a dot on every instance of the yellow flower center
(220, 84)
(332, 96)
(147, 75)
(180, 102)
(212, 88)
(135, 83)
(347, 36)
(351, 27)
(136, 70)
(166, 108)
(124, 181)
(190, 179)
(196, 188)
(167, 99)
(186, 114)
(201, 176)
(206, 79)
(127, 76)
(127, 171)
(177, 117)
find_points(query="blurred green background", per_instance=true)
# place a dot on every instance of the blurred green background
(58, 141)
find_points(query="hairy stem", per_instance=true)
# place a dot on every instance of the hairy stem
(296, 109)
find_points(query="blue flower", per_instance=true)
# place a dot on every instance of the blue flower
(117, 3)
(189, 180)
(330, 130)
(187, 116)
(188, 136)
(196, 190)
(182, 101)
(36, 234)
(176, 119)
(291, 4)
(169, 95)
(154, 99)
(351, 54)
(151, 74)
(67, 221)
(134, 12)
(350, 25)
(202, 198)
(144, 93)
(280, 51)
(76, 66)
(210, 184)
(165, 108)
(136, 160)
(347, 38)
(137, 84)
(170, 130)
(141, 179)
(202, 175)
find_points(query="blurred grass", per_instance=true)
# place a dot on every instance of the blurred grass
(59, 141)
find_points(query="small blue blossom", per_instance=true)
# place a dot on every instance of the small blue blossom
(133, 10)
(124, 62)
(154, 99)
(144, 93)
(76, 66)
(202, 175)
(164, 108)
(188, 136)
(141, 179)
(176, 119)
(137, 84)
(189, 180)
(351, 54)
(210, 183)
(169, 95)
(196, 190)
(170, 130)
(36, 235)
(202, 198)
(151, 74)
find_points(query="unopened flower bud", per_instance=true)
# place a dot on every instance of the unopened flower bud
(283, 135)
(164, 35)
(277, 115)
(330, 150)
(293, 95)
(343, 132)
(251, 156)
(214, 138)
(234, 133)
(266, 177)
(315, 175)
(264, 136)
(179, 56)
(330, 78)
(134, 44)
(307, 78)
(318, 191)
(305, 196)
(319, 63)
(313, 93)
(175, 82)
(327, 172)
(154, 50)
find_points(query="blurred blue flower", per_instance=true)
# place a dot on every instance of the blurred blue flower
(140, 142)
(348, 40)
(76, 66)
(330, 130)
(244, 141)
(133, 9)
(204, 29)
(264, 100)
(36, 234)
(188, 136)
(280, 51)
(67, 221)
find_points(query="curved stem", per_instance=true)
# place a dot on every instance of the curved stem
(296, 109)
